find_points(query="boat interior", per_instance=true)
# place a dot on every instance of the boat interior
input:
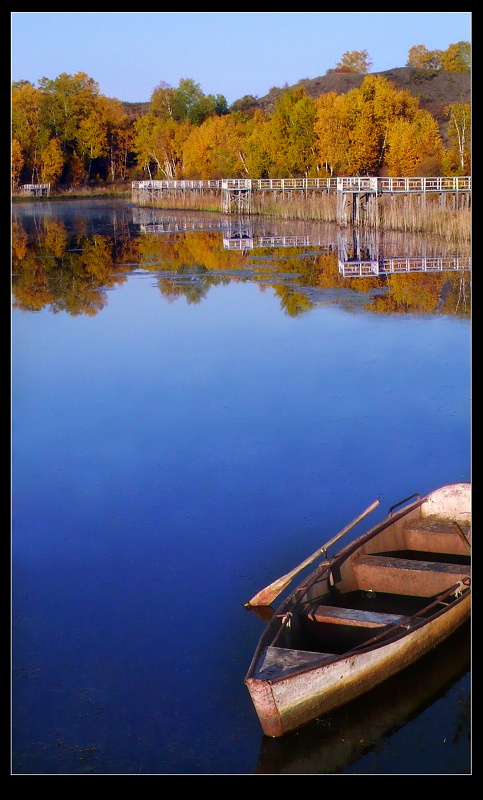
(406, 574)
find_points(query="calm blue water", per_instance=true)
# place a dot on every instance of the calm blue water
(169, 459)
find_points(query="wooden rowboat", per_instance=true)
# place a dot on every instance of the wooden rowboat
(366, 613)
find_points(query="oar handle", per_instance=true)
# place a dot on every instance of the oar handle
(267, 595)
(347, 528)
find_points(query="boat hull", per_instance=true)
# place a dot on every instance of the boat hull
(286, 704)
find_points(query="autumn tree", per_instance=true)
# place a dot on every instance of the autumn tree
(414, 146)
(51, 162)
(292, 134)
(91, 138)
(419, 57)
(161, 101)
(357, 61)
(159, 144)
(103, 138)
(366, 116)
(142, 146)
(27, 128)
(357, 131)
(258, 146)
(361, 132)
(17, 160)
(457, 58)
(118, 137)
(332, 138)
(216, 148)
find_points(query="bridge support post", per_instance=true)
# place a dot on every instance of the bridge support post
(236, 201)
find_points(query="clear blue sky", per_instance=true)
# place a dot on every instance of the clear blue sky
(233, 54)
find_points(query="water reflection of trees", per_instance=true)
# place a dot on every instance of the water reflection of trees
(72, 271)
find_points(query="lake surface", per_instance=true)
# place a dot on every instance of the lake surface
(190, 420)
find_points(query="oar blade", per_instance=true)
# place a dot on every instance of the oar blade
(266, 596)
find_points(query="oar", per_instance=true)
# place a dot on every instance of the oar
(268, 595)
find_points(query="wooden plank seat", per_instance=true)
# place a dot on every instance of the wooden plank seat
(435, 535)
(407, 576)
(353, 616)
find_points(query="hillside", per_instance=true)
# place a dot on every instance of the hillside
(435, 89)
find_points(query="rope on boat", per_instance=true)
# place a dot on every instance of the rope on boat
(286, 622)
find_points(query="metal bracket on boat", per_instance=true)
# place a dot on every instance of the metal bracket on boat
(416, 497)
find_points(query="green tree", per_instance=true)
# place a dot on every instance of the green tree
(189, 103)
(245, 103)
(67, 101)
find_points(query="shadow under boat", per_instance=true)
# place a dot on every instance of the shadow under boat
(335, 741)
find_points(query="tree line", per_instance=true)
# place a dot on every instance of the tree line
(64, 132)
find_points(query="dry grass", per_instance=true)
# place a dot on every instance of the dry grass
(447, 217)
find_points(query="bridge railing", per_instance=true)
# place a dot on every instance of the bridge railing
(35, 189)
(439, 184)
(357, 184)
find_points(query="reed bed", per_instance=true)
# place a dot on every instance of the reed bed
(445, 216)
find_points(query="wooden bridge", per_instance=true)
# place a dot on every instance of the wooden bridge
(35, 189)
(353, 193)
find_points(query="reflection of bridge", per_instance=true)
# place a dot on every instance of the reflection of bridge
(395, 266)
(250, 242)
(236, 193)
(359, 256)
